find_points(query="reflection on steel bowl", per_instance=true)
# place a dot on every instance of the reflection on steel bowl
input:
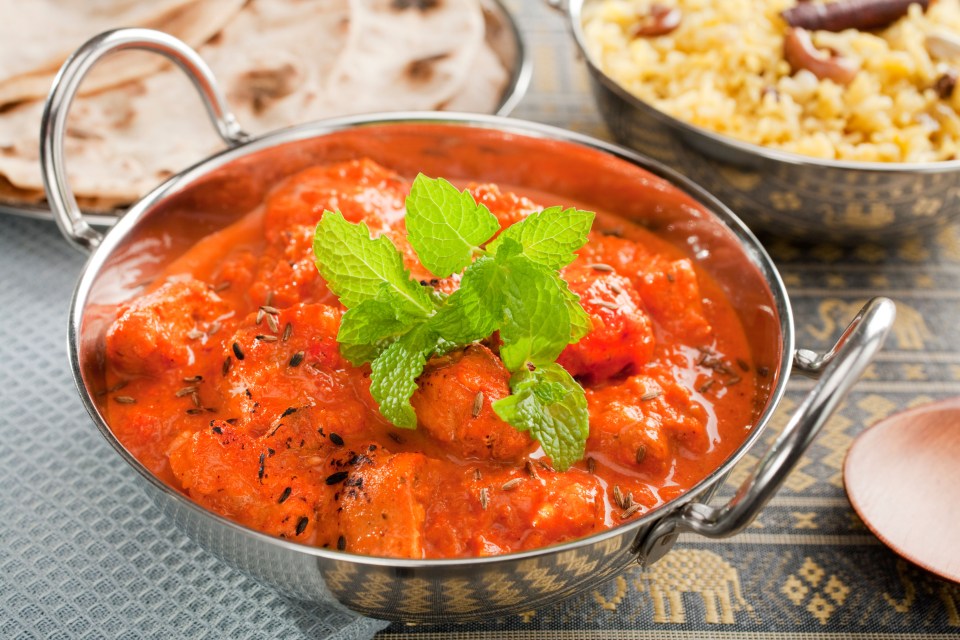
(794, 148)
(530, 158)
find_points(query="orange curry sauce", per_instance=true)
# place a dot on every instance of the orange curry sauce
(234, 390)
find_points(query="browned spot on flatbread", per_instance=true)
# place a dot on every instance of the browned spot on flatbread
(419, 5)
(421, 71)
(263, 86)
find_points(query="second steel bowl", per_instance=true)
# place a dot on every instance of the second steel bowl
(781, 192)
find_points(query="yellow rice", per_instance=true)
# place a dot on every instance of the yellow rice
(723, 69)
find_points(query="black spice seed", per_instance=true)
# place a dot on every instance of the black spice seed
(225, 369)
(302, 524)
(670, 277)
(763, 372)
(341, 543)
(336, 439)
(395, 437)
(237, 351)
(288, 411)
(336, 478)
(218, 430)
(283, 496)
(743, 364)
(296, 359)
(231, 420)
(260, 469)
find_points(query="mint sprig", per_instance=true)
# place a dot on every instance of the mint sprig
(510, 285)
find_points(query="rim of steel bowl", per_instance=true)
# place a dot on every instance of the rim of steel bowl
(574, 9)
(746, 241)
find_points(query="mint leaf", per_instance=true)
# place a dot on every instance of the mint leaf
(549, 237)
(535, 325)
(473, 311)
(446, 226)
(394, 373)
(549, 404)
(580, 322)
(355, 266)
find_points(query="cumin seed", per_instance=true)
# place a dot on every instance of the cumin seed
(193, 411)
(296, 359)
(260, 314)
(225, 369)
(477, 475)
(632, 509)
(124, 399)
(618, 496)
(484, 499)
(196, 398)
(617, 289)
(743, 364)
(193, 379)
(302, 524)
(185, 391)
(599, 266)
(337, 477)
(222, 286)
(268, 300)
(641, 453)
(706, 385)
(263, 338)
(287, 332)
(268, 309)
(477, 404)
(237, 351)
(651, 395)
(532, 470)
(591, 465)
(272, 323)
(510, 484)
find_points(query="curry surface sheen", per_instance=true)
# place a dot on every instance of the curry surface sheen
(227, 382)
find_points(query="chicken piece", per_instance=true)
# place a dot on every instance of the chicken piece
(622, 336)
(294, 387)
(454, 405)
(507, 207)
(382, 505)
(164, 329)
(481, 517)
(361, 190)
(672, 295)
(240, 477)
(641, 423)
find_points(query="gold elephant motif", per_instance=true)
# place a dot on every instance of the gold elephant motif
(693, 571)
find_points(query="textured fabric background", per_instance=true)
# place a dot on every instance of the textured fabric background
(84, 554)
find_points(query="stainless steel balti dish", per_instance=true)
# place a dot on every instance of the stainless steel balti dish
(220, 189)
(778, 191)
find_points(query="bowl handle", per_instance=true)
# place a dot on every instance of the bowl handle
(836, 371)
(60, 196)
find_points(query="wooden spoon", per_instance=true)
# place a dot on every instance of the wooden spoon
(903, 478)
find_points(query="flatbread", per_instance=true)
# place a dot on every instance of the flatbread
(416, 52)
(36, 37)
(279, 63)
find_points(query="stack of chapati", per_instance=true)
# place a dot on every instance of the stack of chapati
(279, 62)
